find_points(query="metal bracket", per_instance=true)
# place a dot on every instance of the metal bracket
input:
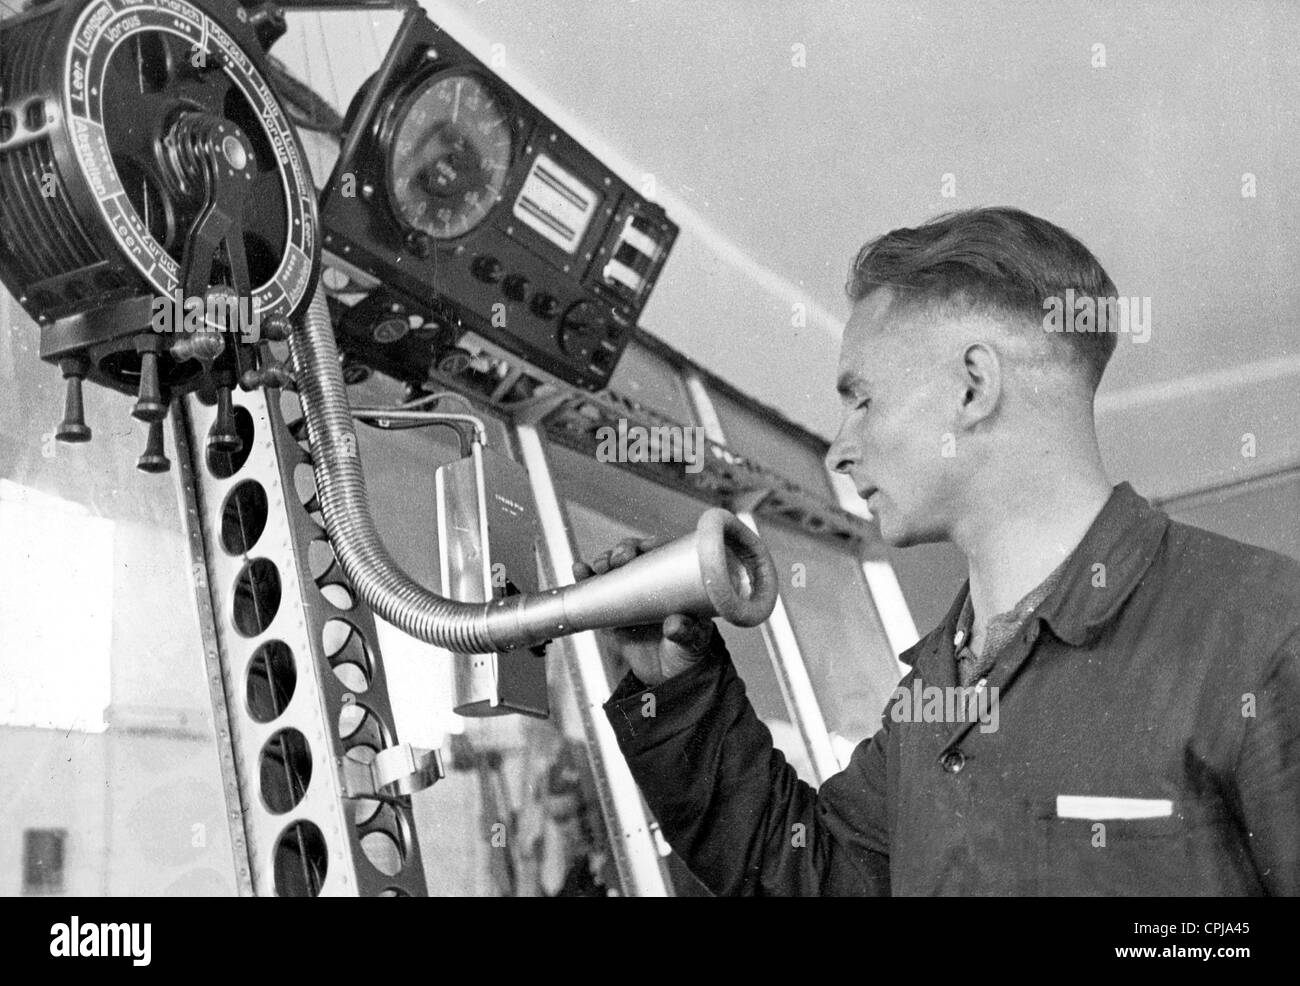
(395, 772)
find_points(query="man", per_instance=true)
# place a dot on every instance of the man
(1146, 673)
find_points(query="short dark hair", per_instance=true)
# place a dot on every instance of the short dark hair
(996, 258)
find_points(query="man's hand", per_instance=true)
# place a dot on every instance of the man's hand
(656, 653)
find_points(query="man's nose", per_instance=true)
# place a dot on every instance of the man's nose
(841, 456)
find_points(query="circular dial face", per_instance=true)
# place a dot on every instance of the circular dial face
(450, 148)
(133, 66)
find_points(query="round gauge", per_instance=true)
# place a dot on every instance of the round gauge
(450, 145)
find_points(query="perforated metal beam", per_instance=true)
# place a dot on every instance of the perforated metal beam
(298, 663)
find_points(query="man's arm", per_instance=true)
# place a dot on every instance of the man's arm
(1268, 773)
(729, 803)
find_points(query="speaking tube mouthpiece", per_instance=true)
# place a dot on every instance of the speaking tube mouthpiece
(736, 569)
(721, 569)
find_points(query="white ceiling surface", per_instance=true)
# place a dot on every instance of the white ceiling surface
(779, 173)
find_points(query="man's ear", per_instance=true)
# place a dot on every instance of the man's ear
(981, 383)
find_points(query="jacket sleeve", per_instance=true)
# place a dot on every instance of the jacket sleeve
(731, 806)
(1268, 773)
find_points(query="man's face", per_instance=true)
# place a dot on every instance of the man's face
(897, 437)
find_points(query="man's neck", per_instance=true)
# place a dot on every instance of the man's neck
(1025, 534)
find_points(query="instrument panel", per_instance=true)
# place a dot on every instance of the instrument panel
(468, 203)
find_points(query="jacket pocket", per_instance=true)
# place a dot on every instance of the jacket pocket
(1180, 854)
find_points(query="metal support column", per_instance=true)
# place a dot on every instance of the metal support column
(636, 851)
(778, 632)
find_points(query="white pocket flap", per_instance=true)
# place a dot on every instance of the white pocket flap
(1088, 806)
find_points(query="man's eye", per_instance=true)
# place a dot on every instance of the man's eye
(863, 404)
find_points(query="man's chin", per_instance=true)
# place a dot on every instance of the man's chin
(902, 536)
(894, 539)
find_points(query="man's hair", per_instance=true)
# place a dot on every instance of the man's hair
(998, 260)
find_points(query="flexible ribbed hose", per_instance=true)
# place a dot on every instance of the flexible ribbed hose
(341, 490)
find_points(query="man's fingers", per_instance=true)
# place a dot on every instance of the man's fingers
(620, 554)
(624, 552)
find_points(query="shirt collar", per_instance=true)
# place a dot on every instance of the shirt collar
(1106, 567)
(1100, 574)
(1018, 613)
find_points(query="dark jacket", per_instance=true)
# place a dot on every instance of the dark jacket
(1164, 666)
